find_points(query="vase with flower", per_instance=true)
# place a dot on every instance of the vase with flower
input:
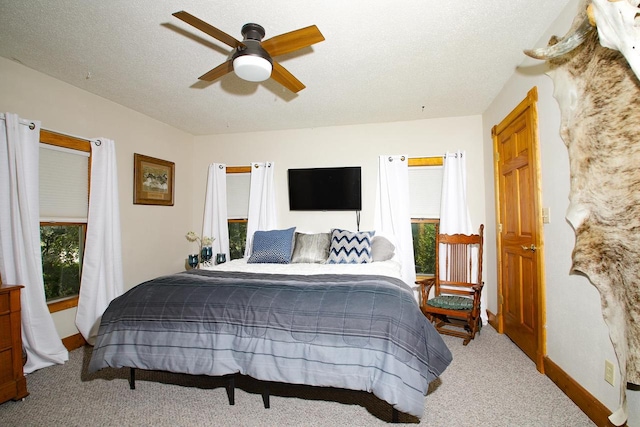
(205, 251)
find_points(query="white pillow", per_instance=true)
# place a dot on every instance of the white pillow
(382, 249)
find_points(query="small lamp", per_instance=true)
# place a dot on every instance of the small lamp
(252, 68)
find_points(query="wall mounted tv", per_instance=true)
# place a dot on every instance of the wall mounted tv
(325, 189)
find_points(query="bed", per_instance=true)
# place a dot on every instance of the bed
(351, 326)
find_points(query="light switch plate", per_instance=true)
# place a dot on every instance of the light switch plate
(609, 373)
(546, 215)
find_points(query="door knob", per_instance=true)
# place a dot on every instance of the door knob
(531, 248)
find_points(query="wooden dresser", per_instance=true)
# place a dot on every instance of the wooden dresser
(13, 384)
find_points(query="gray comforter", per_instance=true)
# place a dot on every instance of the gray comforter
(353, 332)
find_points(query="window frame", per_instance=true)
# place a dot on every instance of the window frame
(78, 144)
(426, 161)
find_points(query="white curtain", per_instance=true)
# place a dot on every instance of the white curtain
(102, 279)
(262, 202)
(20, 257)
(215, 209)
(392, 214)
(454, 210)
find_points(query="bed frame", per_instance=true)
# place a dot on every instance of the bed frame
(230, 386)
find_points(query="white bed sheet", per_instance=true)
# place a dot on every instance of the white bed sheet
(389, 268)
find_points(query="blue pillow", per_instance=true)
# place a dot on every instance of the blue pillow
(348, 247)
(272, 247)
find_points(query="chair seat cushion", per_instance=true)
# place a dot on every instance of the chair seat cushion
(452, 302)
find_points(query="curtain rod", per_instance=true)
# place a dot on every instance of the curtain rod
(24, 122)
(453, 154)
(33, 126)
(96, 141)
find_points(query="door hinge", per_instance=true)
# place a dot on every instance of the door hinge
(499, 227)
(497, 156)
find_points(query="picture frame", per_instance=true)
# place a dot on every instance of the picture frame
(153, 181)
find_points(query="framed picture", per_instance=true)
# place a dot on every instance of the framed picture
(152, 181)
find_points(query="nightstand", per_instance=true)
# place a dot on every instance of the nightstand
(13, 384)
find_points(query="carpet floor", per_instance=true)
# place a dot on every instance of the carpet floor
(489, 383)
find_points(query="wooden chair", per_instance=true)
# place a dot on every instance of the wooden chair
(454, 308)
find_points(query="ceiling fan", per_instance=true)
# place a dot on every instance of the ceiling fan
(252, 58)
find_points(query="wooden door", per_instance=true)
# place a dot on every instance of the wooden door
(520, 291)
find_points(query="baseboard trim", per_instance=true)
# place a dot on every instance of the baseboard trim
(493, 321)
(596, 411)
(74, 341)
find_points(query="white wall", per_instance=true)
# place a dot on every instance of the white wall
(577, 337)
(153, 236)
(153, 241)
(358, 145)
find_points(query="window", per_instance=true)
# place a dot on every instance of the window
(424, 245)
(62, 250)
(425, 188)
(64, 201)
(237, 237)
(238, 186)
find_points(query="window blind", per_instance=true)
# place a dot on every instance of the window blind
(64, 184)
(238, 185)
(425, 191)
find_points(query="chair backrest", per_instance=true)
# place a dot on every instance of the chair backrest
(462, 262)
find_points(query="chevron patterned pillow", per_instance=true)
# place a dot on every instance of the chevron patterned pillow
(349, 247)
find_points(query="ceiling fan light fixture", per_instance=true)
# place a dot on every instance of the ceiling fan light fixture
(252, 68)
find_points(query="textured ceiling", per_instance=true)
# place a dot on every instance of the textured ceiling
(382, 61)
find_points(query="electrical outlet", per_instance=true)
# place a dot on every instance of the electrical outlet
(609, 373)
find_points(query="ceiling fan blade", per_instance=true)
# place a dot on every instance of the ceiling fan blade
(285, 78)
(218, 72)
(207, 28)
(292, 41)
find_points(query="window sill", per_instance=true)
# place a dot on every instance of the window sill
(63, 304)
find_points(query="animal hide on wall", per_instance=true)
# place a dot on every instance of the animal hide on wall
(599, 99)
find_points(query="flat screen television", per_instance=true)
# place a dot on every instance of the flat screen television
(325, 189)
